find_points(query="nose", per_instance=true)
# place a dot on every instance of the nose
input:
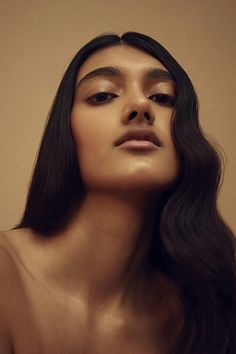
(138, 110)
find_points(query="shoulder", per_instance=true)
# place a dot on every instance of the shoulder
(13, 269)
(8, 270)
(14, 264)
(17, 290)
(9, 282)
(24, 261)
(11, 279)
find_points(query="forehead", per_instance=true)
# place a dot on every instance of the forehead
(121, 55)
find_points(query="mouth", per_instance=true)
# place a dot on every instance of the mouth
(139, 139)
(138, 145)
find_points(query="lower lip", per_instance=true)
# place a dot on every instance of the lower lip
(139, 145)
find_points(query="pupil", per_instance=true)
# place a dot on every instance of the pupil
(162, 98)
(102, 96)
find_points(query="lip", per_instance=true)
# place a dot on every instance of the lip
(139, 138)
(138, 145)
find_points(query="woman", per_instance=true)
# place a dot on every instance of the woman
(121, 248)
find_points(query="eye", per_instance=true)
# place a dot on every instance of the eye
(163, 99)
(100, 97)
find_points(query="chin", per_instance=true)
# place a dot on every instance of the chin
(138, 183)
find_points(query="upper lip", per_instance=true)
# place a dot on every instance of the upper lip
(138, 134)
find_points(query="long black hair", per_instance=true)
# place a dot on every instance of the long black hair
(193, 245)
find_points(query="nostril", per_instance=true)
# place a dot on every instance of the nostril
(133, 114)
(147, 115)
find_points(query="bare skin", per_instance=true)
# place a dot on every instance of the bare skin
(89, 289)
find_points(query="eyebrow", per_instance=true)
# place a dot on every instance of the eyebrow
(112, 71)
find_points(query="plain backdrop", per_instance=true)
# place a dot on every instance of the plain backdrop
(39, 38)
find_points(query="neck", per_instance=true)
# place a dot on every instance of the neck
(107, 243)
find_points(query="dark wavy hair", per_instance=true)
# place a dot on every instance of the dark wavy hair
(192, 245)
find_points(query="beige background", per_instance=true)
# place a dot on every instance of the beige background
(39, 38)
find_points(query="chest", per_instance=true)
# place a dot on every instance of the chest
(46, 323)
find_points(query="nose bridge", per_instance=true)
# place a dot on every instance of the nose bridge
(138, 107)
(136, 94)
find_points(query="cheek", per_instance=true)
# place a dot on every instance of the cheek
(85, 132)
(93, 143)
(90, 129)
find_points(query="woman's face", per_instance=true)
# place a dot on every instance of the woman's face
(121, 89)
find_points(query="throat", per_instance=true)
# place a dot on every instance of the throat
(106, 246)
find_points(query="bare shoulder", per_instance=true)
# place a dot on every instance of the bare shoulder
(24, 299)
(15, 245)
(12, 268)
(9, 287)
(15, 289)
(8, 269)
(10, 274)
(13, 260)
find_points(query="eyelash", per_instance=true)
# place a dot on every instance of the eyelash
(92, 99)
(168, 100)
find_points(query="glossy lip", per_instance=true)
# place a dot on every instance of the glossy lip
(139, 138)
(138, 145)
